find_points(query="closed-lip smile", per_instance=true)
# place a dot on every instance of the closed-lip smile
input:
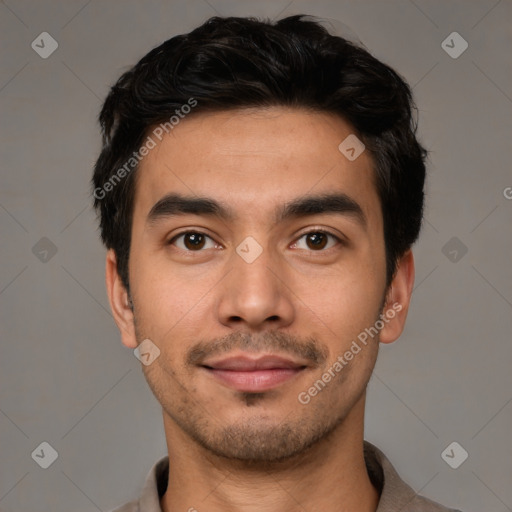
(253, 374)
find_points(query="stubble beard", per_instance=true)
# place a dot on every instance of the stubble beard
(257, 440)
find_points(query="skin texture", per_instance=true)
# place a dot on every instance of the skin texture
(233, 450)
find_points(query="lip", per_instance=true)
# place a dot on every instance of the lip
(248, 374)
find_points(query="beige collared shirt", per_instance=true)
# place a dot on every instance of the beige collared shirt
(395, 494)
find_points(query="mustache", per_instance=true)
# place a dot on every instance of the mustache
(307, 348)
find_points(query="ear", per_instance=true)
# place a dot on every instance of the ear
(119, 301)
(398, 299)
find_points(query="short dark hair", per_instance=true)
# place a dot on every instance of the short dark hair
(232, 63)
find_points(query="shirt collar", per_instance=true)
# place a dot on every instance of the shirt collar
(395, 494)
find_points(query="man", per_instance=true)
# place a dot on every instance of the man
(259, 188)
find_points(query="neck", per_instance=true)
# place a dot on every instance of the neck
(331, 476)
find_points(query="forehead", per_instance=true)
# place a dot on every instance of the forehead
(254, 159)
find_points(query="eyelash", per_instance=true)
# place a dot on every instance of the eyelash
(315, 231)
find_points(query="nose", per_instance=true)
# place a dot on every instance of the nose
(255, 296)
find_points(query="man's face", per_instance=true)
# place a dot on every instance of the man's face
(248, 310)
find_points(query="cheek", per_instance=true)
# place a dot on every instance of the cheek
(159, 300)
(170, 304)
(347, 301)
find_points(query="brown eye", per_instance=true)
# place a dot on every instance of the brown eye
(316, 241)
(192, 241)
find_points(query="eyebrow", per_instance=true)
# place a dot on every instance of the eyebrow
(174, 204)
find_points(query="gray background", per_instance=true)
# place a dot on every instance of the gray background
(65, 377)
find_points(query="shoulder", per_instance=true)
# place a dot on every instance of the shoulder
(132, 506)
(153, 489)
(422, 504)
(395, 493)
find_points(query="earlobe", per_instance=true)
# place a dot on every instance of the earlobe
(120, 302)
(398, 299)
